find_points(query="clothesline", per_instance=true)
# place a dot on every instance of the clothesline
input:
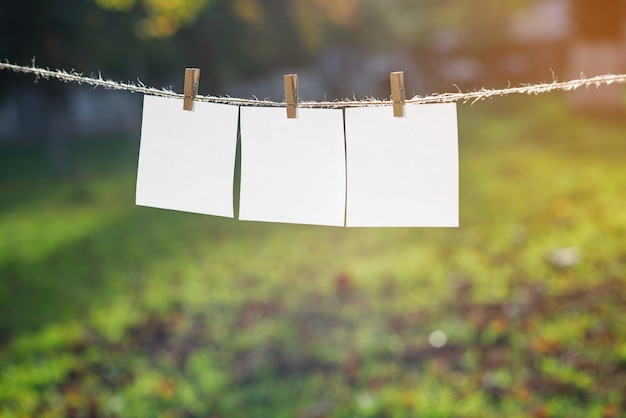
(464, 97)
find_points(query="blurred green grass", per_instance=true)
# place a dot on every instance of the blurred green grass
(108, 309)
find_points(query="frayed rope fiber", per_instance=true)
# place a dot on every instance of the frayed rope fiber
(473, 96)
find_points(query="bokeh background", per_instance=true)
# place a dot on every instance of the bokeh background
(113, 310)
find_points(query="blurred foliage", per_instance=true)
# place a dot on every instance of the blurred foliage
(76, 34)
(158, 34)
(151, 39)
(164, 17)
(232, 39)
(124, 42)
(407, 23)
(114, 310)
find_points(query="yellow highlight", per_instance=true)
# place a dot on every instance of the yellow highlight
(158, 27)
(339, 12)
(118, 5)
(250, 11)
(164, 17)
(184, 11)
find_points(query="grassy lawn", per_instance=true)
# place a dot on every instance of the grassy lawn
(108, 309)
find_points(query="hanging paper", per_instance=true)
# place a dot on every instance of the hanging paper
(292, 170)
(402, 171)
(187, 158)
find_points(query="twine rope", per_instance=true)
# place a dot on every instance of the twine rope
(464, 97)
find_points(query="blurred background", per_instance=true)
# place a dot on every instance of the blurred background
(107, 309)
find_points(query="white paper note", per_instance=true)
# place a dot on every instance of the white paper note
(187, 158)
(402, 171)
(292, 170)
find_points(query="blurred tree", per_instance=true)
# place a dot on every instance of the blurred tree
(124, 38)
(43, 29)
(73, 34)
(229, 39)
(235, 39)
(53, 33)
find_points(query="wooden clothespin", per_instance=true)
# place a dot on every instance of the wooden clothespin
(192, 81)
(291, 95)
(398, 96)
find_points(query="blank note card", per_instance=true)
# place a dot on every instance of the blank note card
(187, 158)
(402, 171)
(292, 170)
